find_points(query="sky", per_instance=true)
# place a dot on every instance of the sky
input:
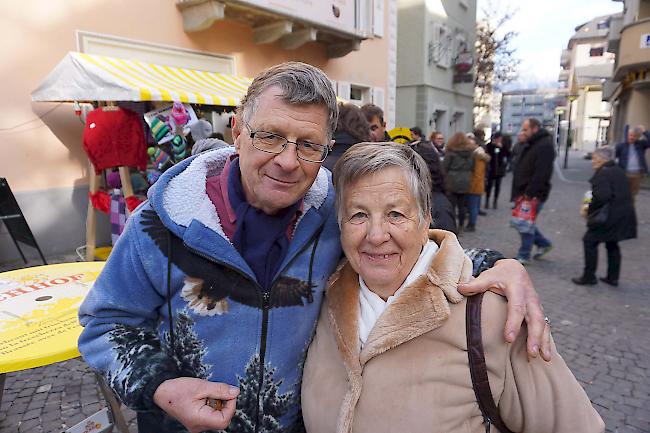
(544, 28)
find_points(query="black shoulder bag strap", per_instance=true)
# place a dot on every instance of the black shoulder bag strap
(478, 367)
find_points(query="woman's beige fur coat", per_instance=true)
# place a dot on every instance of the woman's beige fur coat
(413, 373)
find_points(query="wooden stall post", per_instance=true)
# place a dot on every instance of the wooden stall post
(91, 217)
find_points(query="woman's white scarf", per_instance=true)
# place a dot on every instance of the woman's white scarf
(371, 306)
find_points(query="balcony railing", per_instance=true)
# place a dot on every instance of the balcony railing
(634, 48)
(340, 27)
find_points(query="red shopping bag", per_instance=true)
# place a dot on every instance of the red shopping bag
(524, 214)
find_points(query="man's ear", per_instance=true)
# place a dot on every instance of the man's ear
(236, 130)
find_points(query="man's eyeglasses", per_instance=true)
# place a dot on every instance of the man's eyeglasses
(273, 143)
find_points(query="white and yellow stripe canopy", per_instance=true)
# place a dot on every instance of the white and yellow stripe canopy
(86, 77)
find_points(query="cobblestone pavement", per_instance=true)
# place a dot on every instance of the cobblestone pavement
(602, 332)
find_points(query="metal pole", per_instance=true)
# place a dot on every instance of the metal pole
(569, 138)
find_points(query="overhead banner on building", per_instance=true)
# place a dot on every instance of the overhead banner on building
(338, 15)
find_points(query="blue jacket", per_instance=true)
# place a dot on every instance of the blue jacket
(222, 326)
(623, 152)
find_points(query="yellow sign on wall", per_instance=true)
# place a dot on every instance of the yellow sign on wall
(38, 313)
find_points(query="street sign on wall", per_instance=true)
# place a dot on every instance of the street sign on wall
(645, 40)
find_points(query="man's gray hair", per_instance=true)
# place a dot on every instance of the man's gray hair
(606, 153)
(300, 83)
(369, 158)
(637, 131)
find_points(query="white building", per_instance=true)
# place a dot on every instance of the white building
(586, 65)
(435, 55)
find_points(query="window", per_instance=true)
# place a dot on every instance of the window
(360, 94)
(441, 47)
(596, 51)
(603, 25)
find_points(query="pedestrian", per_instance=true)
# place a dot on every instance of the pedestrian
(375, 336)
(516, 151)
(352, 128)
(610, 217)
(532, 180)
(438, 140)
(631, 157)
(499, 150)
(375, 117)
(442, 211)
(459, 165)
(420, 140)
(203, 313)
(476, 186)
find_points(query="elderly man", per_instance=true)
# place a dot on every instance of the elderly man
(204, 312)
(631, 157)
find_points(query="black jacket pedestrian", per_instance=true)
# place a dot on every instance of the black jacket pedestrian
(532, 176)
(610, 186)
(498, 160)
(342, 142)
(442, 211)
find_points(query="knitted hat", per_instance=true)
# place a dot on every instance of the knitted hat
(200, 129)
(158, 129)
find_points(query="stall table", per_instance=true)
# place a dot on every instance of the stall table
(38, 319)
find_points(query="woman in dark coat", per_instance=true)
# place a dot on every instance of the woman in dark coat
(459, 165)
(499, 151)
(610, 189)
(352, 128)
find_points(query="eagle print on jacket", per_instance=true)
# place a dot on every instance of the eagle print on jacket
(208, 284)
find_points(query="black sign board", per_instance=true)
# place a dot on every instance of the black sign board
(12, 216)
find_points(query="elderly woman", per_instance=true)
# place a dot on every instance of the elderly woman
(610, 217)
(390, 352)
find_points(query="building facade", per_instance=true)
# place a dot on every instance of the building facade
(41, 143)
(628, 90)
(435, 83)
(585, 66)
(519, 105)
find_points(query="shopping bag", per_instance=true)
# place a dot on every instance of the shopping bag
(524, 215)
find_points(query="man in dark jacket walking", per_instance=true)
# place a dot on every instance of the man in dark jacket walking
(631, 157)
(532, 179)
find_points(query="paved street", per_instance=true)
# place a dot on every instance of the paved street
(602, 332)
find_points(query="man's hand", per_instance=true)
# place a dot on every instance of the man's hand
(184, 399)
(509, 278)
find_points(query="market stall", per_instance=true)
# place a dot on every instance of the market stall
(139, 124)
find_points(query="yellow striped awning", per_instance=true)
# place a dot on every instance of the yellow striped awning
(86, 77)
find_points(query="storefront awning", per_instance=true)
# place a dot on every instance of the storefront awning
(86, 77)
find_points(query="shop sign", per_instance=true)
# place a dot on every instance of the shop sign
(337, 15)
(464, 62)
(645, 40)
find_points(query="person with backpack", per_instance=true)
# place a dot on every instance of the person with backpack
(459, 165)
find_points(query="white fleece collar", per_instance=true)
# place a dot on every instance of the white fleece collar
(185, 197)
